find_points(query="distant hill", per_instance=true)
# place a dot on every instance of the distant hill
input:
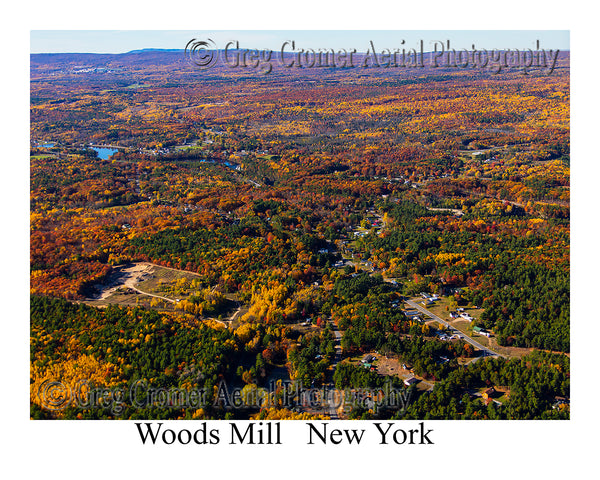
(150, 60)
(109, 60)
(156, 50)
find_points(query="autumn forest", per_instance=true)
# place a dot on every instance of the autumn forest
(365, 232)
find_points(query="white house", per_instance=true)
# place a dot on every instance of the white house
(411, 381)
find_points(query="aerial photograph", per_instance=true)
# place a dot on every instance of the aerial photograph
(300, 225)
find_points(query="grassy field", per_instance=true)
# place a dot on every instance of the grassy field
(164, 281)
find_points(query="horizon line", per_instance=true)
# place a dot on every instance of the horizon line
(175, 50)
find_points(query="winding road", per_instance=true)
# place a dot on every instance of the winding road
(333, 414)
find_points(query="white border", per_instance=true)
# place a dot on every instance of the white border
(464, 449)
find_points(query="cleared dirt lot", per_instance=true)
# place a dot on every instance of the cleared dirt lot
(156, 287)
(122, 276)
(392, 366)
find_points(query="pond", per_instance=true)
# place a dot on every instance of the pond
(104, 153)
(228, 164)
(233, 166)
(216, 161)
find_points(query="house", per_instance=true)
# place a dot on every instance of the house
(467, 317)
(367, 359)
(489, 393)
(560, 403)
(481, 331)
(411, 381)
(442, 360)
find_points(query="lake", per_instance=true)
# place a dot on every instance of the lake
(104, 153)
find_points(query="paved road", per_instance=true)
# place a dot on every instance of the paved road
(486, 351)
(338, 357)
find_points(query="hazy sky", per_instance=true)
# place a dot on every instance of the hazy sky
(118, 41)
